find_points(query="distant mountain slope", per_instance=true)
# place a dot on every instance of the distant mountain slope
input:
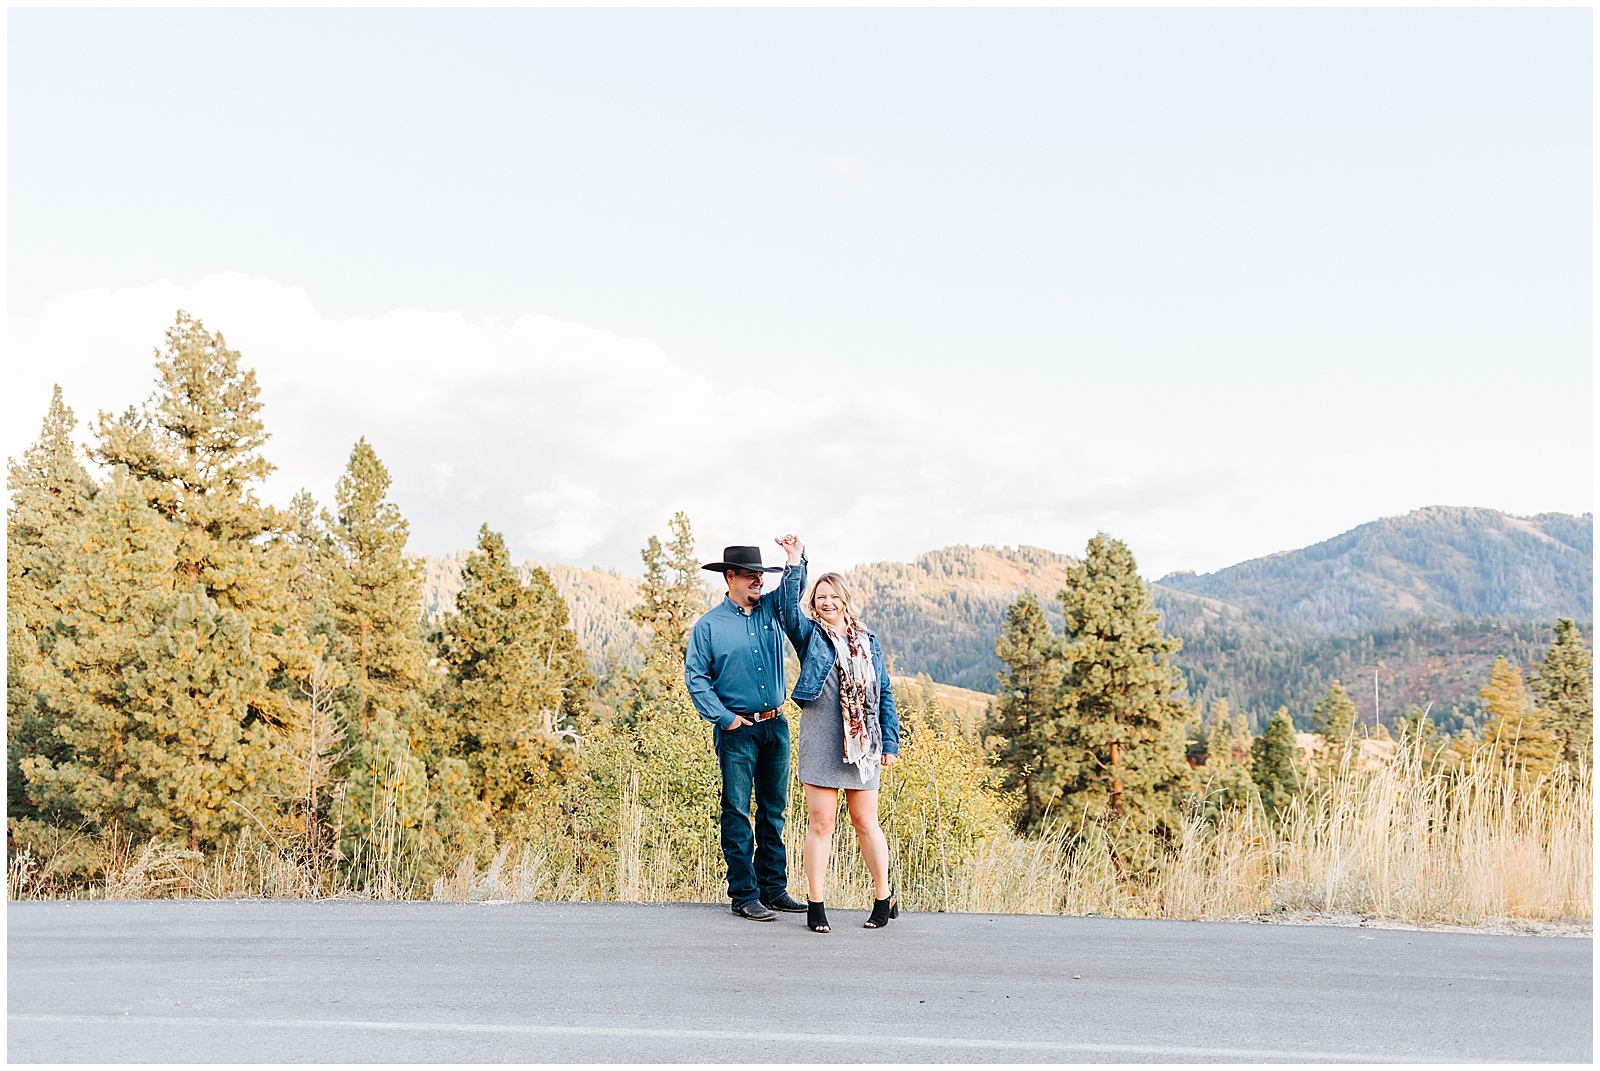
(941, 613)
(1420, 662)
(1434, 597)
(1440, 562)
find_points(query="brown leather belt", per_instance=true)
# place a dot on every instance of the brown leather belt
(765, 715)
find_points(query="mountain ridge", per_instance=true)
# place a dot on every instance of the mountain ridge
(1438, 561)
(1424, 600)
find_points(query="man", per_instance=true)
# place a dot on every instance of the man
(735, 675)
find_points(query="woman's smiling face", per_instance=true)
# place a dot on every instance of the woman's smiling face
(829, 606)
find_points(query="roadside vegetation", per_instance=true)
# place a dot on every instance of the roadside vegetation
(208, 697)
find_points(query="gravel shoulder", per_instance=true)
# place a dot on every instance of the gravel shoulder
(1500, 926)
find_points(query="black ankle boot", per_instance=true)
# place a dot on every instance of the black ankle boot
(817, 916)
(883, 911)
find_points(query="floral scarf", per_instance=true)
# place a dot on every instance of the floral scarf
(858, 681)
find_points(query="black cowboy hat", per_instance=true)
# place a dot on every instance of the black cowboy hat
(742, 558)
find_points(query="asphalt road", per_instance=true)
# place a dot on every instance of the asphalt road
(343, 981)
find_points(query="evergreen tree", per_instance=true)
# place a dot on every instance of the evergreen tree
(1122, 745)
(1026, 727)
(1219, 742)
(1565, 686)
(1334, 717)
(1272, 763)
(398, 795)
(671, 599)
(518, 681)
(147, 682)
(1228, 783)
(48, 491)
(194, 452)
(318, 568)
(377, 600)
(179, 634)
(672, 593)
(1518, 733)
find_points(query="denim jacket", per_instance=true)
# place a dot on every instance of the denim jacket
(817, 658)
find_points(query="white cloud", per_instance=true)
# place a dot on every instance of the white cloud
(579, 443)
(839, 178)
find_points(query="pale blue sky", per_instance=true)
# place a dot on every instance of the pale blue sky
(1267, 274)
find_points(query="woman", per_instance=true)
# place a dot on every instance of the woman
(848, 730)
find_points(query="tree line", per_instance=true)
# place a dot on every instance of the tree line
(1092, 722)
(187, 664)
(185, 661)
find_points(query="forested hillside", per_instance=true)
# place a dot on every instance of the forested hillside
(1435, 596)
(1389, 669)
(940, 614)
(1440, 562)
(1424, 603)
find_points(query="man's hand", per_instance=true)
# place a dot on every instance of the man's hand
(888, 760)
(792, 547)
(739, 721)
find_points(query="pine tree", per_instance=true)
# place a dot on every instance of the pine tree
(1334, 717)
(49, 489)
(1122, 746)
(147, 681)
(377, 600)
(672, 593)
(397, 797)
(1565, 686)
(672, 597)
(1272, 764)
(518, 681)
(1518, 733)
(194, 451)
(1227, 783)
(1219, 742)
(1027, 715)
(180, 637)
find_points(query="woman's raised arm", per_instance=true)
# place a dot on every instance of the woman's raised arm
(796, 624)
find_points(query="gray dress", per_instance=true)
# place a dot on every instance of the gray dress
(822, 739)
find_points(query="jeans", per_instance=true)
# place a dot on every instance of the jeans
(754, 757)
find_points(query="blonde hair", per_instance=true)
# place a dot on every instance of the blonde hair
(852, 619)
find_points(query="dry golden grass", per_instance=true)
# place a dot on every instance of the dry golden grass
(1408, 841)
(1402, 842)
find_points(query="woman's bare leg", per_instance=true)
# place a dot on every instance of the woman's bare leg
(863, 803)
(822, 805)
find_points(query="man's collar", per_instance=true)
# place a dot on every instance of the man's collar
(740, 610)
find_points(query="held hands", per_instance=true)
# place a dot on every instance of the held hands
(792, 547)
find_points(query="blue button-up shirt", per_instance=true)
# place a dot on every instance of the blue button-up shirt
(735, 660)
